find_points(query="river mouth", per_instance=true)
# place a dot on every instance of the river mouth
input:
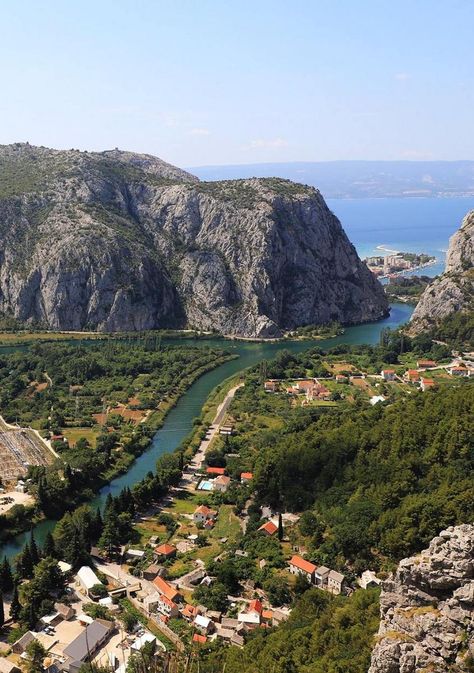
(178, 422)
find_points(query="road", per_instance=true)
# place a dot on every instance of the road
(198, 458)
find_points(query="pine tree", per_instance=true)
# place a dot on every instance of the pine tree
(32, 615)
(110, 533)
(97, 525)
(280, 527)
(2, 613)
(6, 577)
(15, 606)
(25, 564)
(35, 557)
(49, 548)
(109, 502)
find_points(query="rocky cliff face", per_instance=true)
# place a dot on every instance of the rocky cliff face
(119, 241)
(427, 609)
(453, 291)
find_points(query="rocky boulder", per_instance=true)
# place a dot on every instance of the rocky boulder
(427, 609)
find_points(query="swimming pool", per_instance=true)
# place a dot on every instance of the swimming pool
(205, 485)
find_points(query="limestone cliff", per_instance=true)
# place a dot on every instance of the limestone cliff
(453, 291)
(119, 241)
(427, 609)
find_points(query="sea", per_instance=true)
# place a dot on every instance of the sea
(404, 224)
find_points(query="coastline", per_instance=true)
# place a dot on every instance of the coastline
(407, 272)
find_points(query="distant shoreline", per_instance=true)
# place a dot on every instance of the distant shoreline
(385, 249)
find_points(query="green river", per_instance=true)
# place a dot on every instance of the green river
(178, 422)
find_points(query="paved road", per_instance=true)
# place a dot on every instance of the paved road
(198, 458)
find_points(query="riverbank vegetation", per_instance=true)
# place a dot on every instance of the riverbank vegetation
(407, 288)
(99, 405)
(311, 332)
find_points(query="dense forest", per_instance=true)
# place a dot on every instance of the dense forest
(457, 329)
(382, 480)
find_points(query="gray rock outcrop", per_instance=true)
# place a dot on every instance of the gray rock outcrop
(453, 291)
(118, 241)
(427, 609)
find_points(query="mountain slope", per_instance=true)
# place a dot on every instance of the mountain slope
(453, 291)
(427, 609)
(119, 241)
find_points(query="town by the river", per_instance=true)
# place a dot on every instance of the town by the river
(178, 422)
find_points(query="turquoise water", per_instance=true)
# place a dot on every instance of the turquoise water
(205, 485)
(178, 423)
(409, 225)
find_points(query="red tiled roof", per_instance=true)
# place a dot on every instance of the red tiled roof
(189, 610)
(165, 589)
(269, 527)
(197, 638)
(302, 564)
(215, 470)
(204, 509)
(256, 606)
(267, 614)
(165, 549)
(246, 475)
(168, 601)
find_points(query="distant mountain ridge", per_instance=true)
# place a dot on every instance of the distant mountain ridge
(117, 241)
(360, 179)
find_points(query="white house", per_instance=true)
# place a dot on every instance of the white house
(167, 607)
(204, 624)
(203, 514)
(249, 618)
(299, 566)
(368, 579)
(388, 374)
(140, 642)
(87, 578)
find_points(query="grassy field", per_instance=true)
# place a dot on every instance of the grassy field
(11, 338)
(227, 524)
(74, 434)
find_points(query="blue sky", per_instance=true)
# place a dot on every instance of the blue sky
(220, 81)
